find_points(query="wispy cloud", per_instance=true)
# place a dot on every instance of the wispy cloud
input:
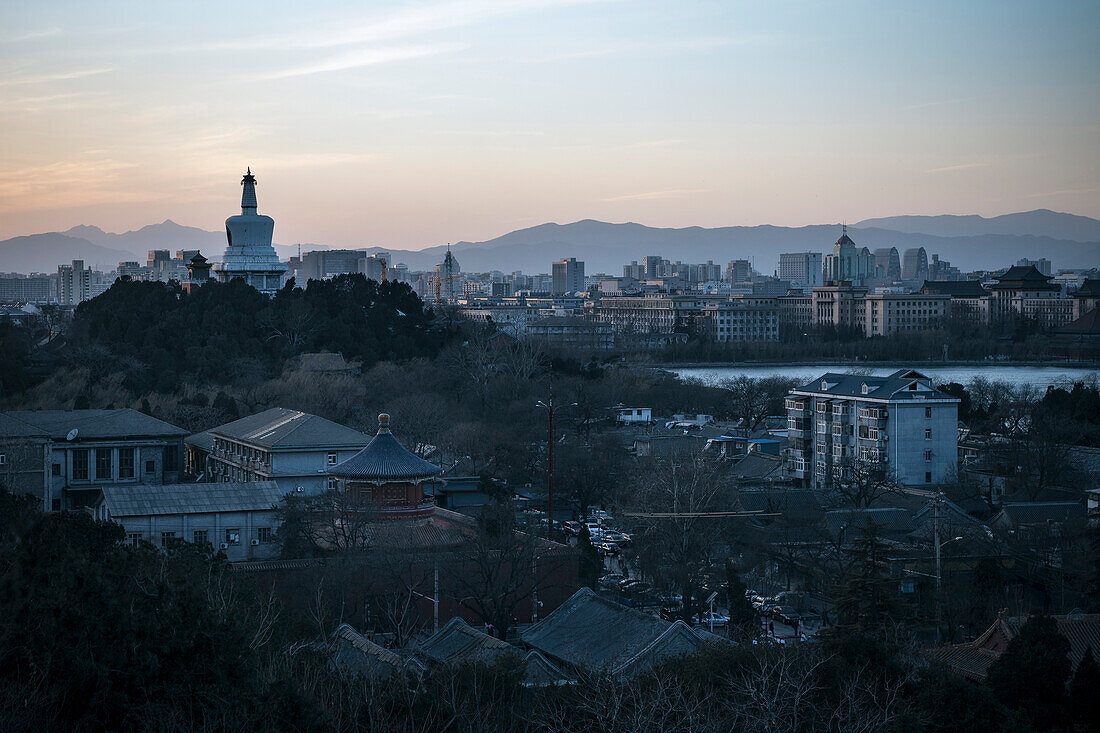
(960, 167)
(1064, 192)
(405, 23)
(57, 76)
(674, 193)
(364, 57)
(684, 45)
(657, 143)
(32, 35)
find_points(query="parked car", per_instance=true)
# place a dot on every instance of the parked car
(628, 581)
(573, 527)
(717, 619)
(611, 580)
(610, 549)
(670, 599)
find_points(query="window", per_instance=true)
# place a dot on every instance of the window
(928, 433)
(927, 477)
(56, 469)
(332, 483)
(928, 413)
(150, 467)
(133, 539)
(233, 536)
(928, 455)
(3, 459)
(103, 463)
(331, 460)
(171, 457)
(125, 462)
(80, 464)
(263, 535)
(166, 537)
(201, 537)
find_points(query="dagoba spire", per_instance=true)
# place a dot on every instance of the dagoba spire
(248, 196)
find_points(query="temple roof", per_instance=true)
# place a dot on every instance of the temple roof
(385, 459)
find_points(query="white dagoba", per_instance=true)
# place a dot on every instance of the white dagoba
(250, 255)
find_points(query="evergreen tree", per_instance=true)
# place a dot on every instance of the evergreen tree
(869, 597)
(1030, 676)
(591, 564)
(742, 614)
(1084, 700)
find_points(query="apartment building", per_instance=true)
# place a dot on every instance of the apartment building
(292, 448)
(742, 319)
(802, 269)
(840, 423)
(889, 313)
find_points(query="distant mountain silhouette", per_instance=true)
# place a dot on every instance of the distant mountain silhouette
(44, 252)
(1041, 222)
(604, 247)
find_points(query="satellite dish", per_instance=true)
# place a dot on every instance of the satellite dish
(712, 597)
(71, 435)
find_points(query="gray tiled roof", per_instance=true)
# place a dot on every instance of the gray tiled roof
(98, 424)
(954, 288)
(757, 465)
(598, 635)
(203, 441)
(139, 500)
(14, 427)
(353, 652)
(385, 459)
(1041, 512)
(283, 428)
(460, 642)
(886, 520)
(893, 386)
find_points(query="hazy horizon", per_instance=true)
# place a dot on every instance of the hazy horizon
(408, 125)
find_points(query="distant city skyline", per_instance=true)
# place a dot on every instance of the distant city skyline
(407, 125)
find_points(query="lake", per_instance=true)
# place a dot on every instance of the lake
(1040, 376)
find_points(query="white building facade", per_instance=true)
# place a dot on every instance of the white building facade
(840, 423)
(249, 255)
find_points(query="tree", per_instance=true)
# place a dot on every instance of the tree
(743, 622)
(591, 564)
(677, 538)
(1084, 703)
(868, 597)
(858, 483)
(752, 400)
(1031, 675)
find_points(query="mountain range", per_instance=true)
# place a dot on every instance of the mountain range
(968, 242)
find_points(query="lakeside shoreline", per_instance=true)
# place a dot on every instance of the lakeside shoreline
(882, 364)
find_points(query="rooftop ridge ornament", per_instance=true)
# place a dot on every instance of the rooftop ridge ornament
(384, 423)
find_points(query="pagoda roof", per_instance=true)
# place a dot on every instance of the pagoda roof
(1026, 275)
(1089, 289)
(385, 459)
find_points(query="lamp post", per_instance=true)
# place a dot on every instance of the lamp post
(549, 406)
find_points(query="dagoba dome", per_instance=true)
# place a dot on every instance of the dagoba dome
(385, 480)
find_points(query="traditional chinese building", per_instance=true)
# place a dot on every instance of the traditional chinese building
(384, 480)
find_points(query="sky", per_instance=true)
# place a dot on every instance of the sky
(413, 124)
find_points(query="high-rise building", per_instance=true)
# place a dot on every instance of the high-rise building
(803, 269)
(739, 271)
(887, 263)
(848, 262)
(914, 265)
(568, 276)
(1042, 264)
(249, 255)
(74, 283)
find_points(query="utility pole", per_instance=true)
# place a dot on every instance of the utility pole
(549, 406)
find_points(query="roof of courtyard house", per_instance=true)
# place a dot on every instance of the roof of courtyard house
(593, 633)
(460, 642)
(894, 386)
(1089, 289)
(14, 427)
(1026, 276)
(140, 500)
(758, 466)
(385, 459)
(1042, 512)
(352, 652)
(279, 427)
(97, 424)
(890, 521)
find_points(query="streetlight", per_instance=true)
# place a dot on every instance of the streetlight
(549, 406)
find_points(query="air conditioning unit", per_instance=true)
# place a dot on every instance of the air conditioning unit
(255, 542)
(886, 436)
(224, 546)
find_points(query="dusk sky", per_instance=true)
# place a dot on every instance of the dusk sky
(410, 124)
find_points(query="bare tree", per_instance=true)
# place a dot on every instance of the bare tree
(858, 483)
(676, 497)
(752, 400)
